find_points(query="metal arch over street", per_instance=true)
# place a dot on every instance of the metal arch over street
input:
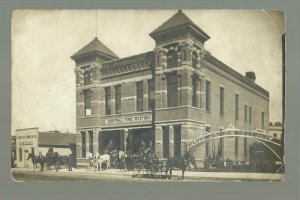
(231, 131)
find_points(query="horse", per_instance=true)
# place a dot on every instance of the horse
(103, 158)
(90, 157)
(191, 160)
(181, 163)
(35, 160)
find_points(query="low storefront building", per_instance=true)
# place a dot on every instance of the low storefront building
(31, 140)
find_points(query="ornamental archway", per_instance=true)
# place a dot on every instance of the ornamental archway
(257, 135)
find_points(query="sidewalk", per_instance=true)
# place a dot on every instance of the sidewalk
(189, 175)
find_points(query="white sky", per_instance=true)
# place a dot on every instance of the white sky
(43, 78)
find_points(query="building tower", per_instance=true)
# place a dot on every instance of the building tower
(179, 76)
(88, 63)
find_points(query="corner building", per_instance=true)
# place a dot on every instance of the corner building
(164, 98)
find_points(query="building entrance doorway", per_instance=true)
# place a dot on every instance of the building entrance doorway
(141, 139)
(110, 140)
(26, 162)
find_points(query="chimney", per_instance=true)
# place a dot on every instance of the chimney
(251, 76)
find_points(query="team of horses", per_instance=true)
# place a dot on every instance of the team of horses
(183, 163)
(47, 161)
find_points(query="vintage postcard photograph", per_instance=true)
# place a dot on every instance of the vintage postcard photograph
(148, 95)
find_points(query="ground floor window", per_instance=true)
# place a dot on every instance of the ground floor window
(177, 141)
(165, 141)
(236, 146)
(91, 141)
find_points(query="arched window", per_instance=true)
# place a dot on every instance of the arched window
(194, 59)
(171, 59)
(86, 78)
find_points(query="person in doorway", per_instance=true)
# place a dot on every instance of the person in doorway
(142, 147)
(109, 147)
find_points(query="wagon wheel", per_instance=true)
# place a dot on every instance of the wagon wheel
(154, 169)
(138, 168)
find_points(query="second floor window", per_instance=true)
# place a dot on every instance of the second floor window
(86, 78)
(118, 98)
(172, 90)
(87, 102)
(139, 96)
(194, 84)
(107, 100)
(246, 114)
(250, 114)
(262, 120)
(237, 102)
(194, 59)
(151, 94)
(221, 101)
(207, 92)
(171, 59)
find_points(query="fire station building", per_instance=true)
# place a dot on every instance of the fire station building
(164, 98)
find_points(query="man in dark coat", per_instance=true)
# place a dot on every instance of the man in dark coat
(70, 164)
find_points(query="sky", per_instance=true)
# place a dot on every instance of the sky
(43, 78)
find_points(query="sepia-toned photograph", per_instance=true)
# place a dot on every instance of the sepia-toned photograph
(157, 95)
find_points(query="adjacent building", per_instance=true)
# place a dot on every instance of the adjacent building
(164, 98)
(276, 131)
(31, 140)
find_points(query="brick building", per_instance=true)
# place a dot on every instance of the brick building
(164, 98)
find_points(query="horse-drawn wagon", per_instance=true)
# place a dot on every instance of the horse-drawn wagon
(145, 164)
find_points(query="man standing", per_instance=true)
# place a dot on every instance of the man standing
(70, 163)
